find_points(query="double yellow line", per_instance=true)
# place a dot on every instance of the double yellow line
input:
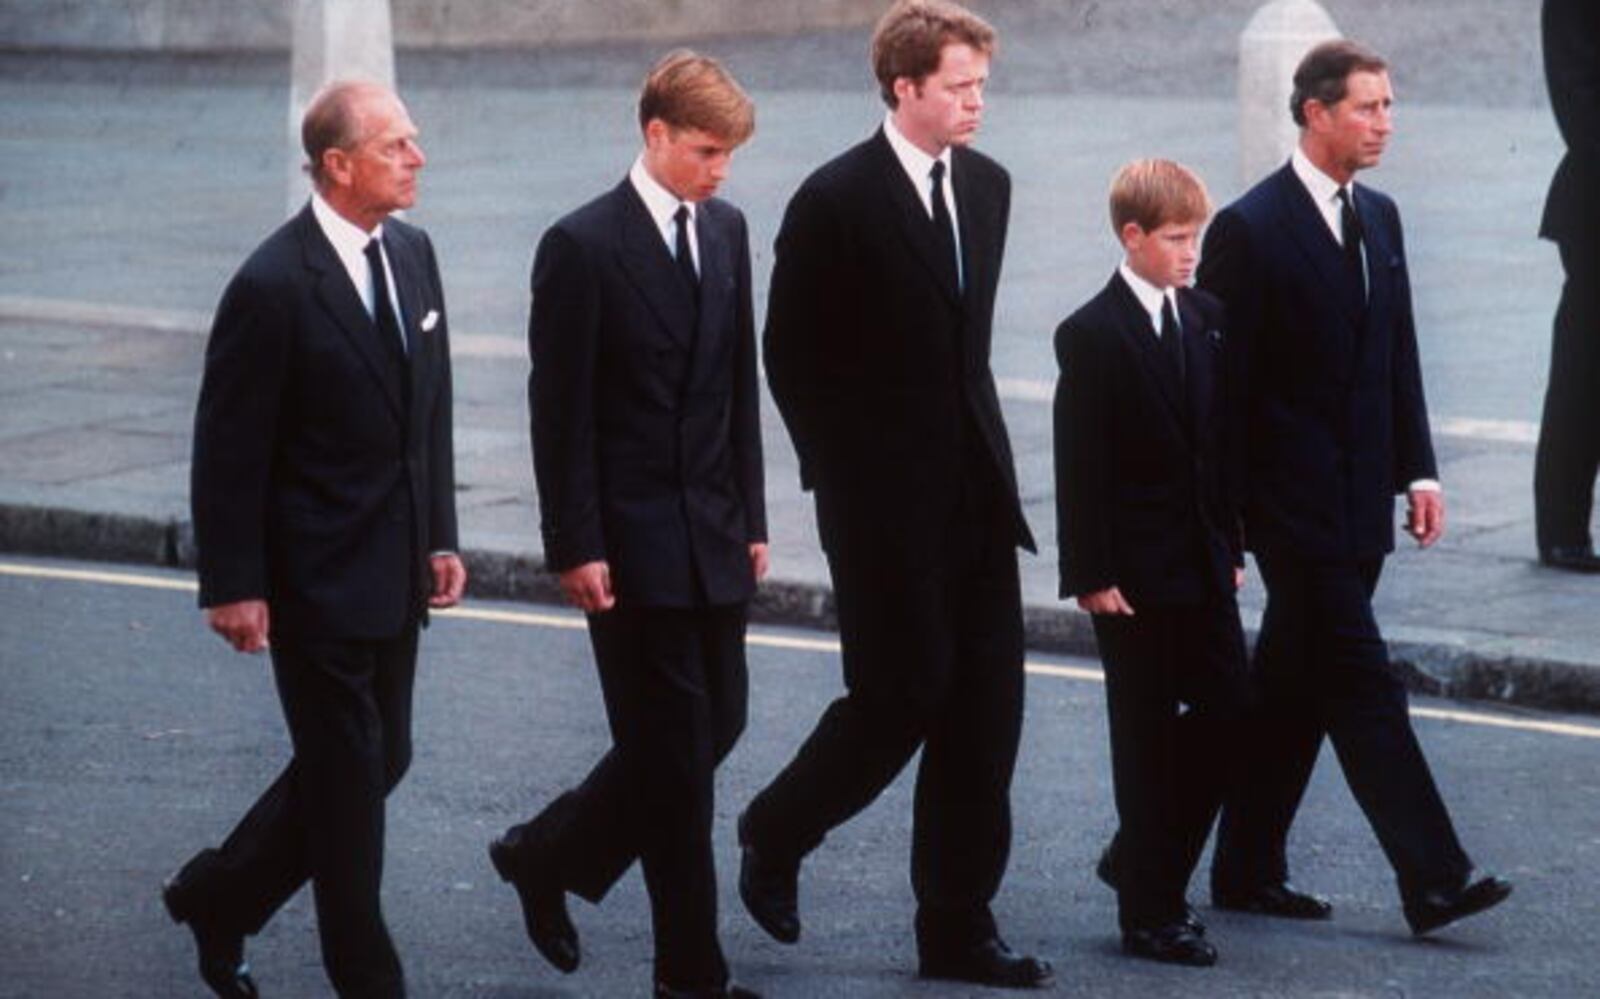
(572, 621)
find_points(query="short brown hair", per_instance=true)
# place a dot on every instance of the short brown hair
(1153, 193)
(687, 90)
(330, 121)
(912, 34)
(1322, 74)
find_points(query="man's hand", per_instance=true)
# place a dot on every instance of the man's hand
(1425, 515)
(449, 579)
(243, 624)
(588, 587)
(758, 559)
(1107, 601)
(1238, 577)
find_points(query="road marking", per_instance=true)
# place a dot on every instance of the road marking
(573, 621)
(486, 346)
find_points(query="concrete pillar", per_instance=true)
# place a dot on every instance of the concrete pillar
(332, 39)
(1272, 45)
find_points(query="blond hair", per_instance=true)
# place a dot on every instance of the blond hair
(1151, 193)
(687, 90)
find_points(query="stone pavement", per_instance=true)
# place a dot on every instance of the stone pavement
(130, 188)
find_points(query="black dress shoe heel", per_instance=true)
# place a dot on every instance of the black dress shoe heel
(1571, 558)
(769, 887)
(544, 907)
(1173, 943)
(1431, 910)
(989, 962)
(219, 951)
(1282, 900)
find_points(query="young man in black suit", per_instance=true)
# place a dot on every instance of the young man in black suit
(1311, 268)
(647, 454)
(1147, 522)
(324, 517)
(877, 352)
(1569, 432)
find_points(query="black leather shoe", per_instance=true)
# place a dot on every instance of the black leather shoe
(220, 950)
(1433, 909)
(1106, 870)
(1572, 558)
(665, 991)
(770, 889)
(544, 907)
(1273, 900)
(989, 962)
(1174, 943)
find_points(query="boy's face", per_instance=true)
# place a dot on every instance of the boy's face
(1166, 255)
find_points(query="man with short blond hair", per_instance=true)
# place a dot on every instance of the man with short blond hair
(325, 525)
(647, 456)
(877, 352)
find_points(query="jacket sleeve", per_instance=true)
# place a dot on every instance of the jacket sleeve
(1082, 423)
(563, 344)
(747, 401)
(1413, 440)
(442, 531)
(235, 440)
(1571, 31)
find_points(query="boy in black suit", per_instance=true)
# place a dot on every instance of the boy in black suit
(1148, 531)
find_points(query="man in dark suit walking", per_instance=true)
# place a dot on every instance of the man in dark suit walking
(324, 514)
(647, 453)
(1146, 450)
(1312, 270)
(877, 351)
(1569, 434)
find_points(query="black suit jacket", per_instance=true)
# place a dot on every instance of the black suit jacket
(1145, 485)
(877, 361)
(1336, 417)
(645, 410)
(323, 470)
(1571, 31)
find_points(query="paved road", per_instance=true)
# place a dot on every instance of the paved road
(129, 736)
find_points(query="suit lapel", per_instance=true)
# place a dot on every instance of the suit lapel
(1310, 233)
(648, 263)
(339, 299)
(1199, 356)
(913, 219)
(1141, 338)
(716, 281)
(405, 258)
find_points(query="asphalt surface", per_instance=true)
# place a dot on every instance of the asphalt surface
(132, 186)
(130, 737)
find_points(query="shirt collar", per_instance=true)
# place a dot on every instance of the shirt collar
(347, 238)
(916, 163)
(1324, 189)
(1150, 297)
(661, 203)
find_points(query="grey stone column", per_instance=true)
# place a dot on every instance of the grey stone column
(1278, 36)
(332, 40)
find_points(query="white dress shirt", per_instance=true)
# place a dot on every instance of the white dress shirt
(662, 205)
(1150, 297)
(918, 165)
(350, 244)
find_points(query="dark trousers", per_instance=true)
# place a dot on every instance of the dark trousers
(1323, 668)
(675, 687)
(348, 708)
(932, 659)
(1569, 433)
(1169, 766)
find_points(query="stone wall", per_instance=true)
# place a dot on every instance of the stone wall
(202, 25)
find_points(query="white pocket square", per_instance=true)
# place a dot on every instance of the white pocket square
(430, 320)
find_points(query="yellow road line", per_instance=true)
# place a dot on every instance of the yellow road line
(572, 621)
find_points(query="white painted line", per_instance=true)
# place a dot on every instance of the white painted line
(573, 621)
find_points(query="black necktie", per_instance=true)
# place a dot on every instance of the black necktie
(1172, 340)
(680, 250)
(382, 310)
(1350, 231)
(941, 218)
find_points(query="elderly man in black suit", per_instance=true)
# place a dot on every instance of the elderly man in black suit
(1312, 270)
(1569, 434)
(324, 514)
(877, 350)
(647, 454)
